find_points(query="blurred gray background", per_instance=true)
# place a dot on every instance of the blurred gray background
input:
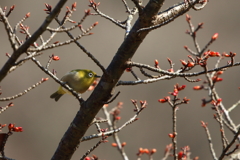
(44, 121)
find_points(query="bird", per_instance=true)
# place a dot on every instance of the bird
(78, 79)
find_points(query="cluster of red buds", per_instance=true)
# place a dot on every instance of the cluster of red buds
(202, 61)
(12, 128)
(187, 64)
(93, 4)
(74, 5)
(212, 54)
(182, 155)
(49, 8)
(193, 32)
(9, 12)
(91, 158)
(177, 88)
(87, 12)
(122, 145)
(142, 103)
(215, 79)
(217, 102)
(175, 92)
(231, 54)
(142, 151)
(213, 102)
(116, 111)
(24, 29)
(165, 99)
(69, 11)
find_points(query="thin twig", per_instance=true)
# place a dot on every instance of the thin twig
(17, 53)
(93, 148)
(174, 139)
(138, 4)
(230, 144)
(2, 109)
(24, 92)
(178, 74)
(134, 75)
(98, 12)
(112, 126)
(9, 30)
(233, 106)
(109, 133)
(57, 45)
(126, 6)
(209, 140)
(192, 33)
(85, 51)
(110, 101)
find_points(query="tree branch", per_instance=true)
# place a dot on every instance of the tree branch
(103, 91)
(16, 54)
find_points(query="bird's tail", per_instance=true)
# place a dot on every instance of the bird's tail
(56, 96)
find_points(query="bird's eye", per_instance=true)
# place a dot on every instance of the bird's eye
(90, 74)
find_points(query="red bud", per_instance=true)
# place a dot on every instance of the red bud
(215, 36)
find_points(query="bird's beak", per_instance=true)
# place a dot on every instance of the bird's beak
(96, 76)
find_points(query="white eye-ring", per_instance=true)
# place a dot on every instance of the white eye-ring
(90, 74)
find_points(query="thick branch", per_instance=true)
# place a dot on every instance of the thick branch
(104, 89)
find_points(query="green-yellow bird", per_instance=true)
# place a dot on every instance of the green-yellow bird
(79, 80)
